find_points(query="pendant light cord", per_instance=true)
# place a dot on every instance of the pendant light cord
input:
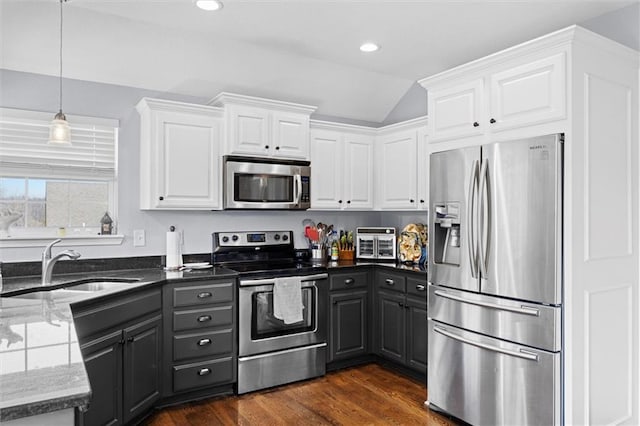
(61, 1)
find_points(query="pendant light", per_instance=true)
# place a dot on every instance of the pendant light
(59, 130)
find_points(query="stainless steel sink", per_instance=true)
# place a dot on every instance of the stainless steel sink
(102, 284)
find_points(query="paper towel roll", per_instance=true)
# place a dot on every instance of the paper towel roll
(174, 258)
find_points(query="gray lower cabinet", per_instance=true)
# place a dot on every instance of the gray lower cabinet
(401, 318)
(200, 336)
(120, 341)
(348, 314)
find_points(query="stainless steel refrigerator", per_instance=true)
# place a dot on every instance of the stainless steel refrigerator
(495, 282)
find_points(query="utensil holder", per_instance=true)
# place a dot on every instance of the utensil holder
(319, 254)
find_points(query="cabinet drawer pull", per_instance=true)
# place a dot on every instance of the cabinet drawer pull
(349, 281)
(421, 287)
(203, 318)
(204, 371)
(204, 295)
(400, 304)
(389, 281)
(493, 120)
(204, 342)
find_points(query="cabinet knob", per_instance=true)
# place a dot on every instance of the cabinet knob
(277, 148)
(266, 147)
(160, 198)
(204, 371)
(335, 302)
(348, 201)
(406, 306)
(204, 342)
(422, 201)
(421, 287)
(339, 201)
(400, 304)
(349, 281)
(204, 295)
(411, 200)
(130, 339)
(204, 318)
(476, 124)
(389, 281)
(493, 120)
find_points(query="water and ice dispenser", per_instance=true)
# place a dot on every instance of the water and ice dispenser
(446, 233)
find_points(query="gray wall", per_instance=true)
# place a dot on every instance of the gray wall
(40, 93)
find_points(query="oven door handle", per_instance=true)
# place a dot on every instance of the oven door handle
(266, 281)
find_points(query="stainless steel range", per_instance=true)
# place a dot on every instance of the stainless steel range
(282, 308)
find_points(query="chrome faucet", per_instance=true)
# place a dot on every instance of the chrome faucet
(48, 262)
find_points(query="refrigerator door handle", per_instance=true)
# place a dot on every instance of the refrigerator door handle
(485, 222)
(472, 244)
(524, 354)
(524, 310)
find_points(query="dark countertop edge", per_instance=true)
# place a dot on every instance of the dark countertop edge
(78, 400)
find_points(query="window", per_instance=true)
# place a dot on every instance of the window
(56, 190)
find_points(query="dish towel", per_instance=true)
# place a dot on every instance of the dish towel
(287, 299)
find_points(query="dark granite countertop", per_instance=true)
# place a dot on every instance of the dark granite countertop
(41, 367)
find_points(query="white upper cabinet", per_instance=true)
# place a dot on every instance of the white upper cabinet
(180, 165)
(265, 128)
(511, 94)
(402, 166)
(456, 111)
(341, 167)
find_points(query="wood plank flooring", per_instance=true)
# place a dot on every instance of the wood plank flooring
(364, 395)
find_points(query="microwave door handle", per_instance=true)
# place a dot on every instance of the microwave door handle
(297, 189)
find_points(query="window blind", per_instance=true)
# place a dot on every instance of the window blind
(24, 148)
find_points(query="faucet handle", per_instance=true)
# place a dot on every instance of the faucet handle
(46, 254)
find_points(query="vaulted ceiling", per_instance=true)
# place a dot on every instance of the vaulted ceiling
(295, 50)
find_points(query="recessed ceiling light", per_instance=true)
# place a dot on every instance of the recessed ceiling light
(209, 4)
(369, 47)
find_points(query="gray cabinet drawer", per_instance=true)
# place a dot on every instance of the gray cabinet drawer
(202, 374)
(345, 280)
(202, 318)
(417, 287)
(203, 294)
(202, 344)
(391, 281)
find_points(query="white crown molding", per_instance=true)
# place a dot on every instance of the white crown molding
(412, 124)
(341, 127)
(225, 98)
(146, 104)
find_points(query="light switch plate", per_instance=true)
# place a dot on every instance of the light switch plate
(138, 238)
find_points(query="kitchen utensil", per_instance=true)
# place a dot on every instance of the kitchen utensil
(308, 222)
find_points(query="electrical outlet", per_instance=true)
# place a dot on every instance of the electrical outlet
(138, 238)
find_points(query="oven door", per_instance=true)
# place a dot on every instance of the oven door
(255, 185)
(260, 331)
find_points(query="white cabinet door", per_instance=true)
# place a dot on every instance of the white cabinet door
(423, 169)
(290, 135)
(528, 94)
(456, 111)
(326, 170)
(397, 180)
(248, 131)
(358, 172)
(187, 161)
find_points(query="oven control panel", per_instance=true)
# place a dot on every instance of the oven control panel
(249, 239)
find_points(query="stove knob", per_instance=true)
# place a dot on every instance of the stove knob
(285, 237)
(234, 238)
(225, 239)
(276, 237)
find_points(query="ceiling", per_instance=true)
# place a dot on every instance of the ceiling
(302, 51)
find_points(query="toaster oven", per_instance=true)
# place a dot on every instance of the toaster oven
(376, 243)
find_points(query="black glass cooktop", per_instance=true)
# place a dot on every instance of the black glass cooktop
(257, 270)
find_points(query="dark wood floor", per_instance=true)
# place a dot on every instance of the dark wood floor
(365, 395)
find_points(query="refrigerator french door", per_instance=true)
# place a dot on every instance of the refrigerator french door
(495, 282)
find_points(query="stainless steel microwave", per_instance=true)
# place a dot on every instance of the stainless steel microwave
(262, 183)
